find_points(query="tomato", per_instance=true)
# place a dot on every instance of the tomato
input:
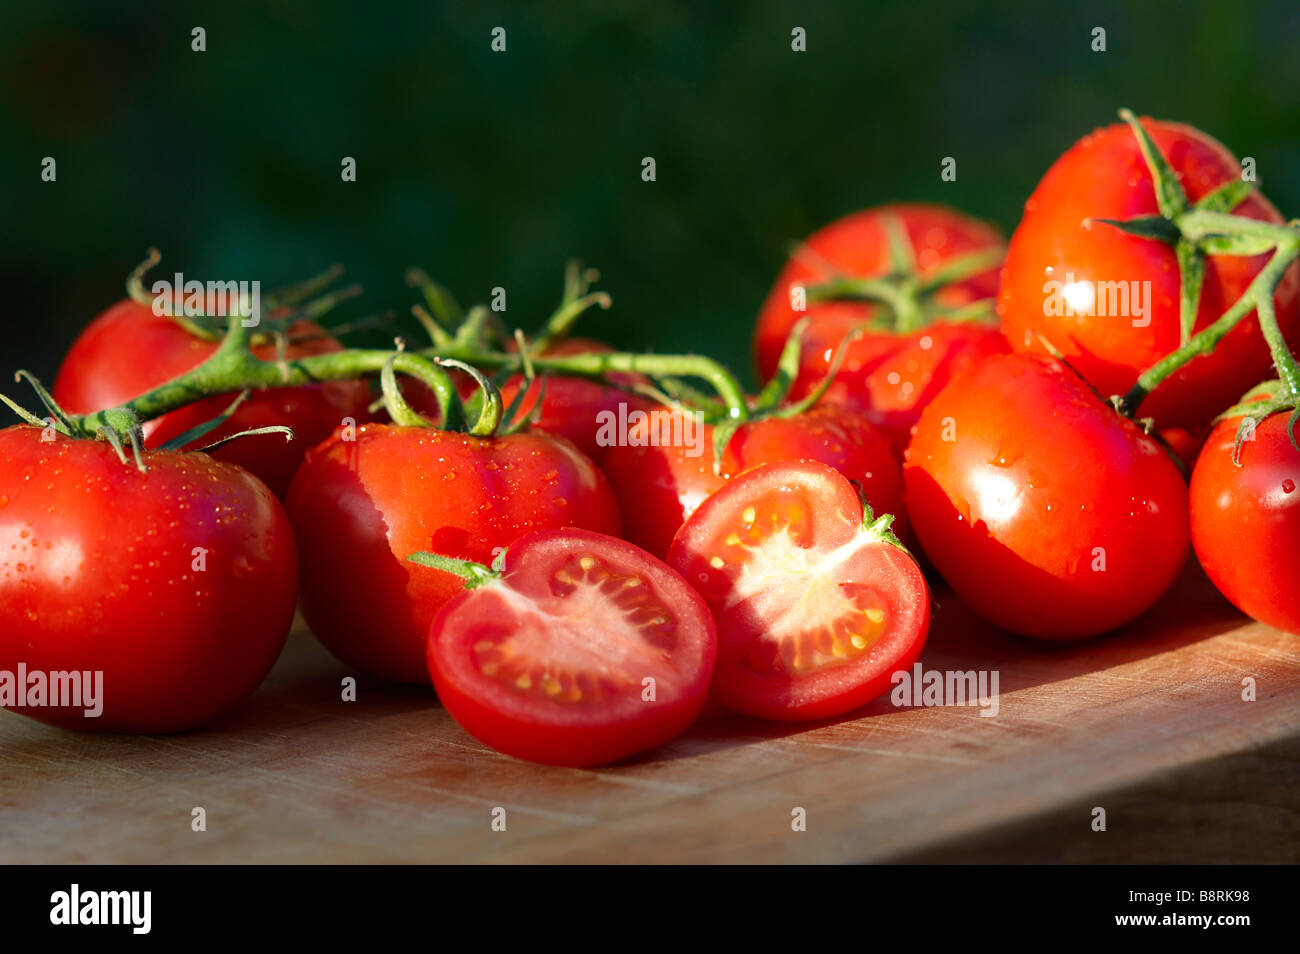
(361, 507)
(1246, 520)
(887, 376)
(815, 610)
(857, 246)
(129, 350)
(1047, 512)
(585, 650)
(1104, 176)
(178, 585)
(658, 486)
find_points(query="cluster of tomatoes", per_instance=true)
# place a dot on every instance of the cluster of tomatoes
(575, 600)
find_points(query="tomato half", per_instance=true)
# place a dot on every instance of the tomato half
(584, 651)
(659, 485)
(1246, 520)
(128, 350)
(1108, 275)
(1045, 510)
(361, 507)
(178, 585)
(815, 611)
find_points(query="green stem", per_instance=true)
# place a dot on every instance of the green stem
(474, 574)
(233, 368)
(1287, 369)
(1262, 288)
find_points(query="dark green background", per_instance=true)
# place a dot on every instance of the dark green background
(490, 169)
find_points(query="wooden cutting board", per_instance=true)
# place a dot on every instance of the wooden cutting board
(1148, 724)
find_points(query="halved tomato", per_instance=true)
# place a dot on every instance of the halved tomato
(583, 649)
(817, 604)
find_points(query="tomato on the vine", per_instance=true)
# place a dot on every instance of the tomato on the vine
(1047, 512)
(128, 350)
(659, 485)
(1123, 290)
(816, 607)
(177, 584)
(582, 651)
(362, 503)
(886, 374)
(1246, 519)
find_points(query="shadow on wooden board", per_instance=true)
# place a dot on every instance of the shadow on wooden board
(1239, 809)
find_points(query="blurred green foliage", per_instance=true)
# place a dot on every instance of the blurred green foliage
(492, 168)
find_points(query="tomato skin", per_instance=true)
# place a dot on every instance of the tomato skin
(659, 487)
(361, 507)
(857, 246)
(556, 733)
(98, 574)
(739, 535)
(1246, 520)
(1039, 474)
(888, 378)
(1052, 243)
(128, 350)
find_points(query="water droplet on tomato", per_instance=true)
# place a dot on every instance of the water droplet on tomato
(1288, 486)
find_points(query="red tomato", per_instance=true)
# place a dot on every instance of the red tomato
(889, 377)
(361, 507)
(178, 585)
(129, 350)
(815, 611)
(857, 246)
(549, 662)
(659, 486)
(1246, 520)
(1047, 512)
(1104, 176)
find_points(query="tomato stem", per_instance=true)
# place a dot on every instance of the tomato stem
(1257, 297)
(474, 574)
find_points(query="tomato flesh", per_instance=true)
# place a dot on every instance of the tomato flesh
(585, 651)
(815, 613)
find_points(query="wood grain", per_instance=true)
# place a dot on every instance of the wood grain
(1148, 723)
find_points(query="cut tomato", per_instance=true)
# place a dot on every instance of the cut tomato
(582, 650)
(816, 607)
